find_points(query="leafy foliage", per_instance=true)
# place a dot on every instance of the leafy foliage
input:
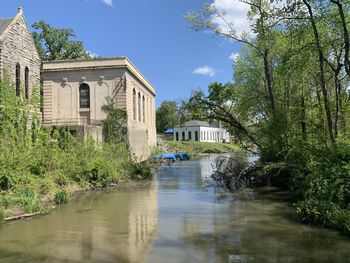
(166, 116)
(57, 44)
(114, 126)
(2, 216)
(289, 101)
(39, 166)
(61, 197)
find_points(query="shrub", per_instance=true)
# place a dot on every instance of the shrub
(60, 178)
(29, 201)
(7, 200)
(45, 186)
(100, 173)
(140, 171)
(324, 214)
(2, 216)
(61, 197)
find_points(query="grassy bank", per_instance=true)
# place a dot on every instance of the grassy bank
(202, 147)
(43, 167)
(33, 179)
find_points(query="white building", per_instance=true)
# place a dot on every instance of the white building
(200, 131)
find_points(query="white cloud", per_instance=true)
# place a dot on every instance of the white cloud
(108, 2)
(234, 56)
(205, 71)
(234, 13)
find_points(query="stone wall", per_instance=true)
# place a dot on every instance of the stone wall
(17, 46)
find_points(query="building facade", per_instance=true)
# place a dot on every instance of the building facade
(75, 91)
(19, 58)
(200, 131)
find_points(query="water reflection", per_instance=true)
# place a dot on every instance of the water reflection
(116, 226)
(247, 226)
(175, 220)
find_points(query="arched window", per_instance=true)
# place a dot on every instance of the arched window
(134, 104)
(143, 109)
(18, 80)
(84, 95)
(139, 105)
(26, 81)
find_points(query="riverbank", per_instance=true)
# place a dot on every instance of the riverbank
(41, 167)
(311, 193)
(37, 179)
(177, 215)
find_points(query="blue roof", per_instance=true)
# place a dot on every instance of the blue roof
(169, 131)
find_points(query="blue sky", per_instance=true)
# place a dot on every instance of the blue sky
(152, 33)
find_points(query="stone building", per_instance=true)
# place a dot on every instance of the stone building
(200, 131)
(76, 90)
(19, 57)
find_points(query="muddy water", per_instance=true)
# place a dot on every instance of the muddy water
(174, 219)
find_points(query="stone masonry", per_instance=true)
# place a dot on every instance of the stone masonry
(17, 46)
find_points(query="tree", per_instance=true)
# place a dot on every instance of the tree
(57, 44)
(166, 116)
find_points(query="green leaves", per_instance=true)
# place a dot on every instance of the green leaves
(114, 125)
(166, 116)
(57, 44)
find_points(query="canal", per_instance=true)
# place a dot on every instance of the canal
(173, 219)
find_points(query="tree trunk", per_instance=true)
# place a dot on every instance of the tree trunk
(268, 76)
(323, 85)
(345, 35)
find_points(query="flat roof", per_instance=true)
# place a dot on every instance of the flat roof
(95, 64)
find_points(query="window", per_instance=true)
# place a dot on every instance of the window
(143, 109)
(18, 80)
(196, 136)
(84, 94)
(139, 105)
(134, 104)
(26, 81)
(183, 135)
(177, 136)
(190, 136)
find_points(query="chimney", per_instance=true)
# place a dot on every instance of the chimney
(20, 9)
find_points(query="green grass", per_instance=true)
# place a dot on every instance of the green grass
(202, 147)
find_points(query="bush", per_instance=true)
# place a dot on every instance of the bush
(140, 171)
(61, 197)
(29, 201)
(7, 200)
(100, 173)
(2, 216)
(324, 214)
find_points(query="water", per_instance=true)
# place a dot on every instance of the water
(174, 219)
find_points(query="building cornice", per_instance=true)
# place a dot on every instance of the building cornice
(97, 64)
